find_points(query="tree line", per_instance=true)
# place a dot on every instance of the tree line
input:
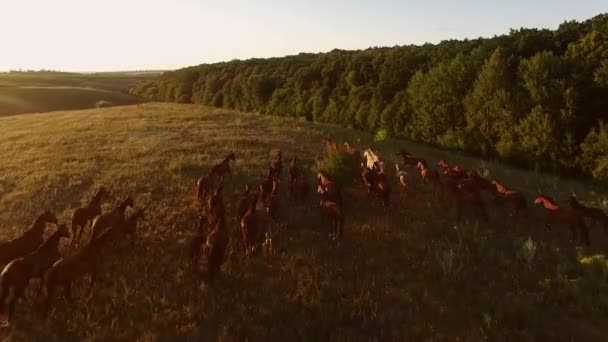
(533, 97)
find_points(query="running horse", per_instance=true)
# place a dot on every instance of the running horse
(557, 214)
(372, 158)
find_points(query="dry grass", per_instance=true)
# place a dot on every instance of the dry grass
(415, 274)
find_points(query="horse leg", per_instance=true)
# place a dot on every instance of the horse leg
(18, 294)
(5, 292)
(482, 211)
(67, 290)
(91, 283)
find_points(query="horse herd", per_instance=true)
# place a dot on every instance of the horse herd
(28, 256)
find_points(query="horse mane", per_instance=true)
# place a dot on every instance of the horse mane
(548, 199)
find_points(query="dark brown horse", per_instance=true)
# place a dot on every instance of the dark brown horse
(214, 248)
(571, 218)
(594, 214)
(332, 212)
(429, 177)
(250, 225)
(114, 217)
(28, 242)
(86, 261)
(17, 274)
(516, 198)
(84, 216)
(219, 170)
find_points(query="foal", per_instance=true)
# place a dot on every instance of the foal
(557, 214)
(84, 216)
(28, 242)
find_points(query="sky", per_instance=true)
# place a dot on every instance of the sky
(105, 35)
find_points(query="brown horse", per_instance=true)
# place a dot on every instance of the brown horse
(84, 216)
(197, 240)
(429, 177)
(17, 274)
(29, 241)
(267, 184)
(250, 225)
(330, 144)
(292, 177)
(334, 193)
(465, 195)
(219, 170)
(333, 212)
(516, 198)
(243, 203)
(204, 186)
(114, 217)
(401, 178)
(277, 166)
(86, 261)
(557, 214)
(595, 214)
(213, 250)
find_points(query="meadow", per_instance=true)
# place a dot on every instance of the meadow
(415, 273)
(36, 92)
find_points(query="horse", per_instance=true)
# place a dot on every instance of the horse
(292, 176)
(250, 225)
(84, 216)
(333, 212)
(219, 170)
(29, 241)
(277, 166)
(557, 214)
(514, 197)
(466, 195)
(595, 214)
(334, 193)
(429, 177)
(401, 178)
(214, 248)
(114, 217)
(371, 158)
(17, 274)
(330, 144)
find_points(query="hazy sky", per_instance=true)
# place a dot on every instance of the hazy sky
(88, 35)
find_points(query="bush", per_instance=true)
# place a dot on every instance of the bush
(103, 104)
(381, 136)
(340, 166)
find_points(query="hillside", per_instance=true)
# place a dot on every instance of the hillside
(533, 97)
(390, 280)
(33, 92)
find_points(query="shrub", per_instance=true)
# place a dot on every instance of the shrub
(340, 166)
(381, 136)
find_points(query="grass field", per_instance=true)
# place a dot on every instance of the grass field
(34, 92)
(414, 274)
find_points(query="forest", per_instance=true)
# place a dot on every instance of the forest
(535, 98)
